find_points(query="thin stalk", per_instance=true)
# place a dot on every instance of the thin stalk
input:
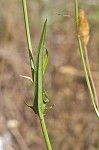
(91, 77)
(83, 62)
(45, 133)
(87, 77)
(28, 35)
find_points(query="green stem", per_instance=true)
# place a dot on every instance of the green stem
(83, 62)
(87, 77)
(44, 130)
(28, 35)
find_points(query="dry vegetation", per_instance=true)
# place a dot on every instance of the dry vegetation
(72, 123)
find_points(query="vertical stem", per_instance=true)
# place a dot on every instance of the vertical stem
(44, 130)
(83, 61)
(87, 77)
(28, 35)
(91, 77)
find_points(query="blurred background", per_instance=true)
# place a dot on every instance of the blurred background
(72, 123)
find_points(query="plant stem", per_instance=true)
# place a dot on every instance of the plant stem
(83, 62)
(87, 77)
(41, 117)
(28, 35)
(44, 130)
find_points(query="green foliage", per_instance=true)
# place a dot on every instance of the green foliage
(39, 106)
(40, 98)
(38, 68)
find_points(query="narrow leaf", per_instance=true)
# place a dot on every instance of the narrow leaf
(38, 75)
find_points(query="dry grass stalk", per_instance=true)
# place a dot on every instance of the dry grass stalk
(83, 33)
(83, 28)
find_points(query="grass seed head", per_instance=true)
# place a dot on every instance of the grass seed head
(83, 27)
